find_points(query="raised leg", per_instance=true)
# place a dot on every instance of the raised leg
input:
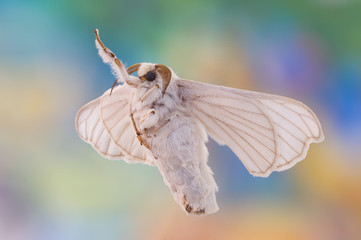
(109, 57)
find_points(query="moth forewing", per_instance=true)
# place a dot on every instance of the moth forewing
(89, 127)
(114, 113)
(267, 132)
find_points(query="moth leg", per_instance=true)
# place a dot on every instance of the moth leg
(160, 127)
(109, 57)
(146, 95)
(150, 119)
(107, 51)
(137, 132)
(152, 111)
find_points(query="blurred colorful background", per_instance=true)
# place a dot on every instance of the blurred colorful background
(54, 186)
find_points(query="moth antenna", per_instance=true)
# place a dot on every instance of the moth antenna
(109, 57)
(133, 68)
(166, 74)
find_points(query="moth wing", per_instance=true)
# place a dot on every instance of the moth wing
(267, 132)
(91, 128)
(114, 113)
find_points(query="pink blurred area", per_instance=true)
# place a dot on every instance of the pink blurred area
(54, 186)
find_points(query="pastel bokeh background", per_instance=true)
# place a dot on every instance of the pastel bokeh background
(54, 186)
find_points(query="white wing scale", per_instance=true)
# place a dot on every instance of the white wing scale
(104, 123)
(267, 132)
(91, 130)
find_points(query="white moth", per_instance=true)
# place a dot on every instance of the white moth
(160, 119)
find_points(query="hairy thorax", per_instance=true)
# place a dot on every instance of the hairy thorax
(155, 112)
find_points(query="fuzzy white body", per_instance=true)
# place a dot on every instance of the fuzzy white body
(182, 159)
(177, 144)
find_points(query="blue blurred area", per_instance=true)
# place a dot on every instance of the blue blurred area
(341, 99)
(54, 186)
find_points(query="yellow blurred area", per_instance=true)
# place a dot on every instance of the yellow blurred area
(333, 181)
(34, 101)
(267, 222)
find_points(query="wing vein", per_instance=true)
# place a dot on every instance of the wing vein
(86, 130)
(106, 150)
(116, 102)
(301, 116)
(279, 125)
(248, 120)
(85, 119)
(251, 123)
(287, 162)
(131, 143)
(289, 144)
(233, 138)
(100, 135)
(223, 106)
(121, 133)
(116, 123)
(243, 131)
(114, 112)
(254, 139)
(92, 131)
(284, 118)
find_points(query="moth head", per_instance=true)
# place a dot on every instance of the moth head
(150, 74)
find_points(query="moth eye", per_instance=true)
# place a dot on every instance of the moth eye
(150, 76)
